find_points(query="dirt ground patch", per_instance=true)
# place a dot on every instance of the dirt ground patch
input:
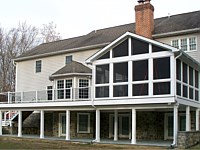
(24, 143)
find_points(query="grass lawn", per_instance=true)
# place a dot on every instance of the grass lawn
(22, 143)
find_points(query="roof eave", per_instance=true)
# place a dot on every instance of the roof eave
(69, 74)
(60, 52)
(181, 32)
(189, 59)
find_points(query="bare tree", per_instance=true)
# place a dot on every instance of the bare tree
(49, 34)
(17, 41)
(13, 43)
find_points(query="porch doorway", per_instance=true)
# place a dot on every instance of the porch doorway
(62, 124)
(124, 126)
(169, 125)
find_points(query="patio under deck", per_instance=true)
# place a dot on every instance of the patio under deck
(159, 143)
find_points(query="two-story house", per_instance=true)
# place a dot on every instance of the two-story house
(135, 82)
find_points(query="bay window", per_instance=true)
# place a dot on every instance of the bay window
(64, 89)
(83, 88)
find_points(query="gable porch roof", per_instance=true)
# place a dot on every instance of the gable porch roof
(123, 37)
(178, 53)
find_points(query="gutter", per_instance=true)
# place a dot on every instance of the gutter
(60, 52)
(69, 74)
(176, 33)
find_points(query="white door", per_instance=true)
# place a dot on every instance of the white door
(124, 124)
(62, 125)
(169, 126)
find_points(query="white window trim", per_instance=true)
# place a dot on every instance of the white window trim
(131, 58)
(83, 79)
(166, 137)
(64, 86)
(36, 67)
(188, 84)
(66, 58)
(188, 43)
(88, 128)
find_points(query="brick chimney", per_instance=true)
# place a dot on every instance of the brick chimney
(144, 18)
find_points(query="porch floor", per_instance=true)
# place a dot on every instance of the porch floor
(162, 143)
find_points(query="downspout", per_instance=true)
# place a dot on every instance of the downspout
(179, 55)
(174, 144)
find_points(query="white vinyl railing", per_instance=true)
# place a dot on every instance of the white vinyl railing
(50, 95)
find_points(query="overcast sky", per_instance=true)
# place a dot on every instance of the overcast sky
(78, 17)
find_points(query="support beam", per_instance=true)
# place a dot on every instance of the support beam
(188, 126)
(116, 126)
(67, 125)
(97, 125)
(42, 124)
(0, 122)
(133, 140)
(19, 123)
(175, 132)
(197, 119)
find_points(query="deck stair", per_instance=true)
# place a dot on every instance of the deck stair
(12, 116)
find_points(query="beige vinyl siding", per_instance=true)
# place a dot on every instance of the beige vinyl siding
(194, 54)
(28, 80)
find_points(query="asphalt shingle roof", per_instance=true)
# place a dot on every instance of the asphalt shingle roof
(163, 25)
(73, 68)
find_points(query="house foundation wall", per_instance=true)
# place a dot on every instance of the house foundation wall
(150, 125)
(73, 125)
(187, 139)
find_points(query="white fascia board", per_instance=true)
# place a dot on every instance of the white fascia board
(188, 59)
(46, 105)
(136, 101)
(104, 102)
(185, 102)
(71, 74)
(59, 52)
(128, 34)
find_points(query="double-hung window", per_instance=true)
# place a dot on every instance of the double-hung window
(64, 89)
(83, 88)
(38, 66)
(68, 85)
(185, 44)
(83, 123)
(68, 59)
(49, 92)
(192, 43)
(60, 89)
